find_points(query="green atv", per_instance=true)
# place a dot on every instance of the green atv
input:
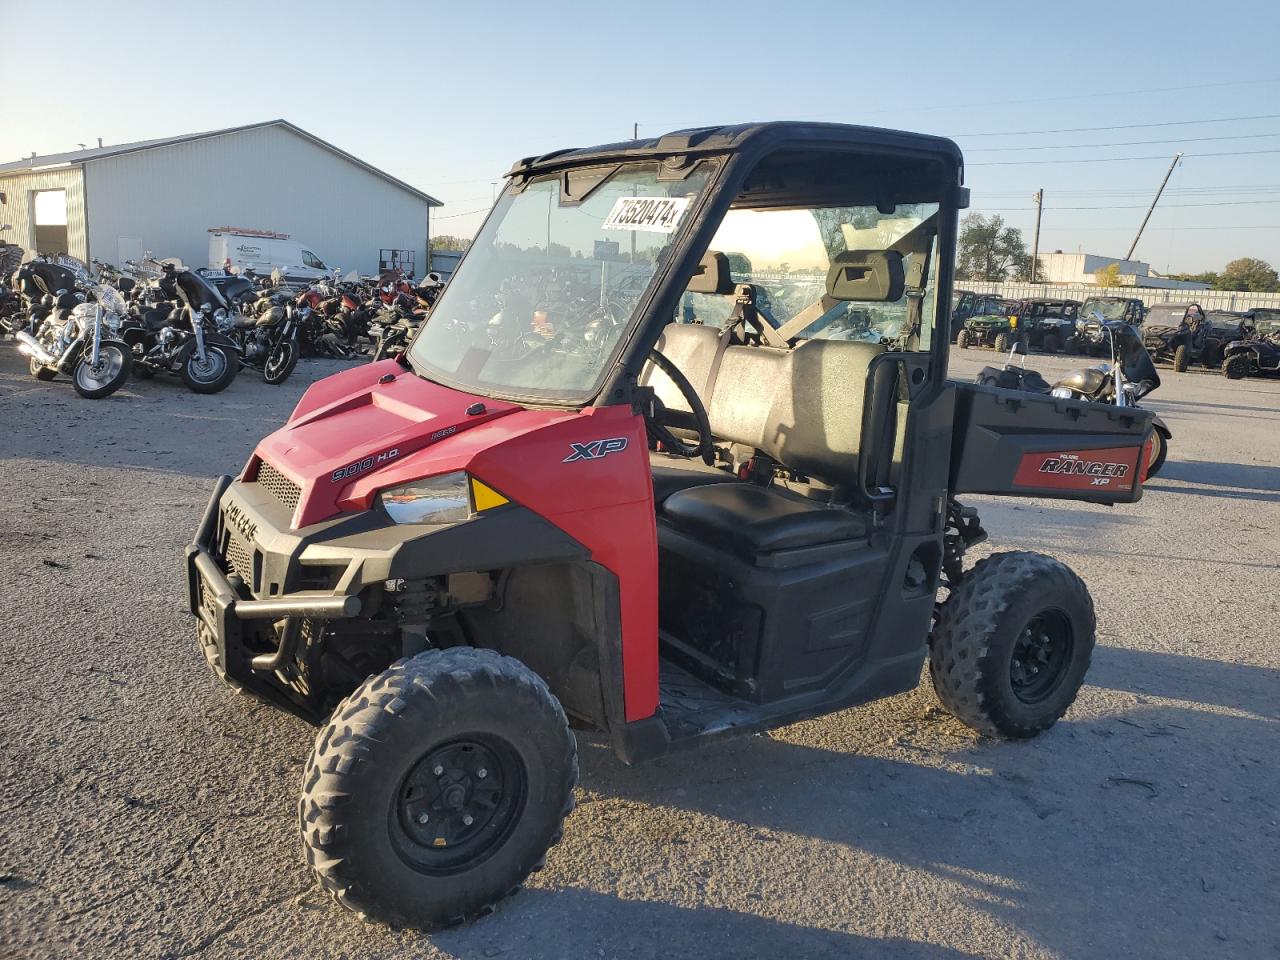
(993, 326)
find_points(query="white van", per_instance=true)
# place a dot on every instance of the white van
(263, 251)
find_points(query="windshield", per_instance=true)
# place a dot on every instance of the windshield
(786, 255)
(1267, 327)
(1166, 316)
(1110, 309)
(551, 283)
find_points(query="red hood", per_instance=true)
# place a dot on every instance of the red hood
(350, 424)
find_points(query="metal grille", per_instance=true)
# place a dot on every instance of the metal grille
(239, 558)
(280, 486)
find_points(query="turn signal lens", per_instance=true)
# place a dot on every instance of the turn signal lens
(433, 500)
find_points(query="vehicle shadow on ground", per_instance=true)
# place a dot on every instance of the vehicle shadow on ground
(1013, 835)
(590, 924)
(1213, 474)
(1271, 411)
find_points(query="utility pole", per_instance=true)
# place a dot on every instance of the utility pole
(635, 130)
(1035, 245)
(1163, 183)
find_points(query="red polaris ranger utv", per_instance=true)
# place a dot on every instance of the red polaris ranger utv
(632, 472)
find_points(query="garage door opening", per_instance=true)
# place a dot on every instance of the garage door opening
(50, 217)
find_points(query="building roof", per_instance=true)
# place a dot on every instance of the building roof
(76, 157)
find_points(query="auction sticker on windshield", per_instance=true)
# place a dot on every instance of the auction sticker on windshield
(650, 214)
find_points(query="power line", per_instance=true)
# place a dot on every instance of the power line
(1155, 156)
(1140, 206)
(468, 213)
(1119, 126)
(1122, 143)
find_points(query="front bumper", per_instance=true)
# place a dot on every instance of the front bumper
(238, 624)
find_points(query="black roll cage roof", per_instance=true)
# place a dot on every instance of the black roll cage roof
(742, 147)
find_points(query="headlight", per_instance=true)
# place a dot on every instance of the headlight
(447, 498)
(1063, 393)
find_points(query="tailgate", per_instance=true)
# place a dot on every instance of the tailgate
(1016, 444)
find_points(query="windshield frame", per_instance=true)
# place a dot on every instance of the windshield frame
(679, 239)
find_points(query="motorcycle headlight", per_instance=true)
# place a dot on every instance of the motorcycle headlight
(444, 499)
(1063, 393)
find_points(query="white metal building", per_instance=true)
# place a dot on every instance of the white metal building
(1059, 267)
(113, 203)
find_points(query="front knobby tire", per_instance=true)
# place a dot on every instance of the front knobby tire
(1003, 343)
(962, 341)
(1011, 645)
(437, 787)
(1236, 367)
(1181, 358)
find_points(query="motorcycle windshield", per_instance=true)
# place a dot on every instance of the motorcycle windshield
(551, 285)
(1134, 359)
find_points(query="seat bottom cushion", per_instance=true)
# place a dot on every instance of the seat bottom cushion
(751, 520)
(672, 474)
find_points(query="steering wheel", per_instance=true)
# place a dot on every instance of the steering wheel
(659, 430)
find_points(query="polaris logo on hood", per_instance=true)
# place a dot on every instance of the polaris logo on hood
(368, 463)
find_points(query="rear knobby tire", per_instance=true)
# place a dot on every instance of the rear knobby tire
(1002, 343)
(988, 632)
(371, 780)
(1181, 358)
(1236, 367)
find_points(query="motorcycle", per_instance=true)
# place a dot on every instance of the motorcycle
(1130, 376)
(82, 341)
(267, 339)
(182, 336)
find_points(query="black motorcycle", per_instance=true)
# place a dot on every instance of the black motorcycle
(181, 335)
(266, 335)
(1129, 377)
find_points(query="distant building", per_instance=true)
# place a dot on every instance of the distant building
(115, 202)
(1059, 267)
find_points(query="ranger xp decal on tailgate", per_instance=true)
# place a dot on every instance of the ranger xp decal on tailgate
(368, 463)
(1079, 469)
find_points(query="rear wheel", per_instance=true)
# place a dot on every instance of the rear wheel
(95, 381)
(1159, 450)
(40, 371)
(1236, 366)
(214, 373)
(1051, 343)
(1002, 343)
(1011, 645)
(1211, 353)
(1181, 358)
(962, 341)
(437, 787)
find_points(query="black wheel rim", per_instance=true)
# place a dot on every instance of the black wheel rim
(1041, 655)
(278, 360)
(458, 804)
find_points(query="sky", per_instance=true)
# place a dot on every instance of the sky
(447, 96)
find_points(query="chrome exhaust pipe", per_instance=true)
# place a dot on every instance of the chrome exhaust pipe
(32, 348)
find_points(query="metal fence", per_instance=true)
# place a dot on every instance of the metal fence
(1209, 299)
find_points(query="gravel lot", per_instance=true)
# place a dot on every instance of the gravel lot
(147, 812)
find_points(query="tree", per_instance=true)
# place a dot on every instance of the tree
(1249, 273)
(448, 241)
(1108, 276)
(989, 250)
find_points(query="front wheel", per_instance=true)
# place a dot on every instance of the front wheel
(437, 787)
(1002, 343)
(962, 341)
(1011, 645)
(1051, 343)
(95, 381)
(214, 373)
(1181, 358)
(281, 361)
(1236, 366)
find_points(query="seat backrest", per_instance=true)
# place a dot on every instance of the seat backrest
(803, 407)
